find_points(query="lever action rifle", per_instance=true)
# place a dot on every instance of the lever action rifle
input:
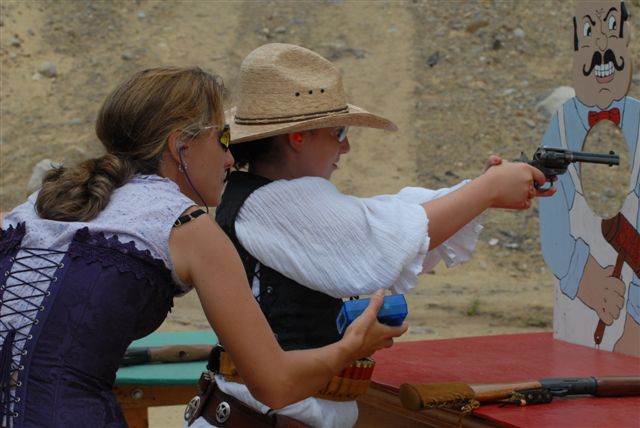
(554, 161)
(464, 397)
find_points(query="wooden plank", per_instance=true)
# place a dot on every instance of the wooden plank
(143, 396)
(137, 417)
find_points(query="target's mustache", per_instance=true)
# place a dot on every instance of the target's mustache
(609, 56)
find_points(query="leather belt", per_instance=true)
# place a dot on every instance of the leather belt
(223, 410)
(347, 385)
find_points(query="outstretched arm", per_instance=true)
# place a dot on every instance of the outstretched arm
(204, 256)
(503, 185)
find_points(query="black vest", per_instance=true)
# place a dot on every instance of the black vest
(301, 318)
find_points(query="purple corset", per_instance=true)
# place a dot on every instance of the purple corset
(82, 308)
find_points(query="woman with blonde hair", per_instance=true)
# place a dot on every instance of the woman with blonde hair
(304, 244)
(93, 260)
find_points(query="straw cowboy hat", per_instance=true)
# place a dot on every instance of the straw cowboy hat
(286, 88)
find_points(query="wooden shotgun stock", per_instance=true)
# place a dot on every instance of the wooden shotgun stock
(457, 395)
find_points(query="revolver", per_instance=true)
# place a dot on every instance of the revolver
(554, 161)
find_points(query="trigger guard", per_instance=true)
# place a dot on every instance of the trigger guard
(542, 188)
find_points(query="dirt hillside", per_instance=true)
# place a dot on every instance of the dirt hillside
(461, 80)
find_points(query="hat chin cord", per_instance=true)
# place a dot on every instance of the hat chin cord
(183, 168)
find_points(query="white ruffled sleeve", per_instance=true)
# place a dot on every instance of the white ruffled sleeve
(459, 247)
(334, 243)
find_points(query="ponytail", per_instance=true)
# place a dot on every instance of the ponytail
(81, 192)
(133, 125)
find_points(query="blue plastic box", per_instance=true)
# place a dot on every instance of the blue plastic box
(393, 311)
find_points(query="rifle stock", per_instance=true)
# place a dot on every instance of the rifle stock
(457, 395)
(490, 392)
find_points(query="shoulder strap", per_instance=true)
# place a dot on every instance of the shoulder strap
(239, 187)
(188, 217)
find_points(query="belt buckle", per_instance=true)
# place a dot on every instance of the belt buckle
(223, 411)
(193, 408)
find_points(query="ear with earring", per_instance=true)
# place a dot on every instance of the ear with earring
(182, 167)
(297, 137)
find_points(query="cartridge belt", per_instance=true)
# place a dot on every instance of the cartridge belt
(347, 385)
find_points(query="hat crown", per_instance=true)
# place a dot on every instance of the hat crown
(279, 81)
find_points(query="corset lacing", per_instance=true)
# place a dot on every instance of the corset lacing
(18, 313)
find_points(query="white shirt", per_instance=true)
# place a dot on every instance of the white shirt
(342, 246)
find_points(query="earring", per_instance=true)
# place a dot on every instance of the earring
(297, 137)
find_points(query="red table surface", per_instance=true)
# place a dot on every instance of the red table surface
(516, 357)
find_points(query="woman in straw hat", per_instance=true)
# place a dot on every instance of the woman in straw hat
(93, 260)
(304, 244)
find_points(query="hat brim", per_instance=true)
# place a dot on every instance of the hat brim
(355, 116)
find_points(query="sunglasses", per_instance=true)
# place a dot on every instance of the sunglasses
(341, 133)
(224, 135)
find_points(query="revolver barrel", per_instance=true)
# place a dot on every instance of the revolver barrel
(608, 159)
(554, 156)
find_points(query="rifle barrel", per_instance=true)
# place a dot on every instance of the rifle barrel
(608, 386)
(618, 386)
